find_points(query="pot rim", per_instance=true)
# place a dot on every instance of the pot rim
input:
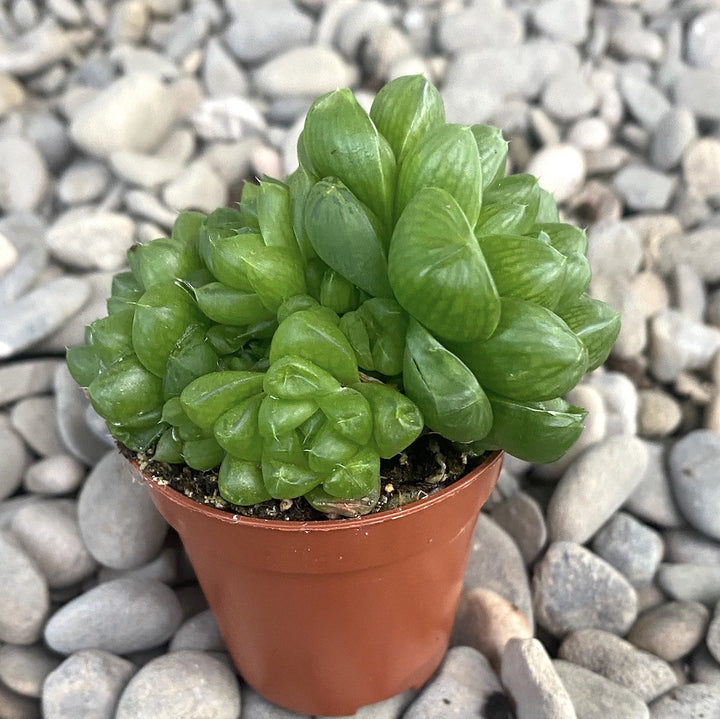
(322, 526)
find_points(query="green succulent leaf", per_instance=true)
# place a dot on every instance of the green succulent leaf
(293, 377)
(547, 358)
(447, 159)
(525, 267)
(83, 363)
(223, 222)
(285, 480)
(565, 238)
(192, 357)
(595, 323)
(521, 189)
(125, 392)
(332, 211)
(354, 329)
(168, 448)
(533, 431)
(577, 278)
(386, 324)
(248, 205)
(163, 314)
(275, 274)
(274, 211)
(226, 339)
(125, 292)
(449, 397)
(492, 150)
(405, 110)
(226, 257)
(209, 396)
(341, 141)
(503, 218)
(309, 334)
(138, 440)
(237, 431)
(547, 209)
(355, 478)
(164, 260)
(299, 183)
(438, 272)
(328, 448)
(241, 482)
(349, 413)
(111, 336)
(282, 416)
(202, 454)
(296, 304)
(397, 421)
(338, 293)
(227, 306)
(186, 229)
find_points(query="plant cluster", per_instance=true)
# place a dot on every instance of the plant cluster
(397, 282)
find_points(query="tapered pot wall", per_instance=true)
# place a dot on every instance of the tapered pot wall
(326, 617)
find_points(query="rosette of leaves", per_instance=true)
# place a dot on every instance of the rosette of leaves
(396, 283)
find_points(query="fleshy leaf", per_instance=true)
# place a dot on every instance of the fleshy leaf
(503, 218)
(83, 363)
(192, 357)
(565, 238)
(405, 110)
(125, 391)
(202, 454)
(577, 278)
(162, 315)
(111, 336)
(186, 228)
(226, 255)
(311, 335)
(168, 448)
(595, 323)
(546, 356)
(524, 267)
(349, 413)
(209, 396)
(356, 477)
(547, 210)
(293, 377)
(280, 416)
(533, 431)
(438, 272)
(328, 448)
(492, 151)
(341, 141)
(397, 421)
(353, 327)
(386, 324)
(451, 400)
(332, 211)
(164, 260)
(276, 274)
(236, 430)
(275, 216)
(228, 306)
(522, 189)
(299, 184)
(338, 293)
(241, 482)
(447, 159)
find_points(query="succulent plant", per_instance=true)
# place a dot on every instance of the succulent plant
(396, 283)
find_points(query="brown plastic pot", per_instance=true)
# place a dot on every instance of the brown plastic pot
(326, 617)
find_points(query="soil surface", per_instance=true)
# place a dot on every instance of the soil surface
(427, 466)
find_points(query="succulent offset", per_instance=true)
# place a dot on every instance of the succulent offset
(397, 282)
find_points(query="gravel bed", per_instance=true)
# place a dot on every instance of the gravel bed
(593, 589)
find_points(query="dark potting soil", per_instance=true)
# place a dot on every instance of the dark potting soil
(427, 466)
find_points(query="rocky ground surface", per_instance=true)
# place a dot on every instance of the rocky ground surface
(600, 574)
